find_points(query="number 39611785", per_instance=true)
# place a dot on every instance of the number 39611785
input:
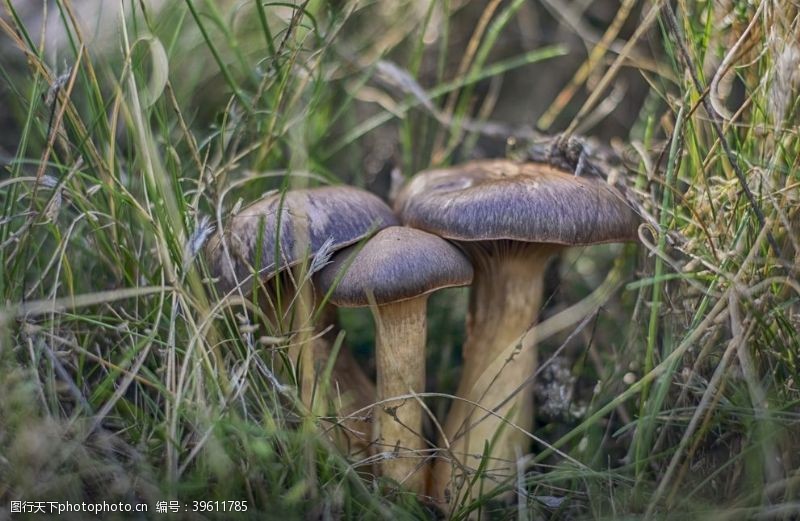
(219, 506)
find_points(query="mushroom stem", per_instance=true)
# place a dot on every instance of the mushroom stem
(505, 300)
(401, 329)
(350, 389)
(302, 352)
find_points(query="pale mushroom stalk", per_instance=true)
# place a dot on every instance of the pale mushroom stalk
(394, 273)
(504, 303)
(401, 329)
(350, 388)
(303, 349)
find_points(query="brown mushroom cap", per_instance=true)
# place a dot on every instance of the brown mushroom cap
(342, 215)
(397, 264)
(528, 202)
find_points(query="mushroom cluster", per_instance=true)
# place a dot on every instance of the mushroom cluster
(493, 224)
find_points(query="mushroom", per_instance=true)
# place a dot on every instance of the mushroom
(510, 219)
(395, 271)
(332, 217)
(283, 230)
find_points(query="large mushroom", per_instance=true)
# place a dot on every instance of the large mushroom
(396, 271)
(510, 218)
(283, 230)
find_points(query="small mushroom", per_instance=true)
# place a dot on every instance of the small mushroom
(395, 271)
(283, 230)
(511, 219)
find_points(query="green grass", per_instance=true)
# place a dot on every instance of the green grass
(124, 377)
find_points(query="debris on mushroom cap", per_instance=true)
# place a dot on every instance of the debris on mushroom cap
(334, 215)
(529, 202)
(397, 264)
